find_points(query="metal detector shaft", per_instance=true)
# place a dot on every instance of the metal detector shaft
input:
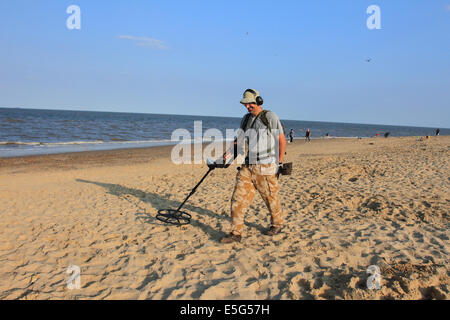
(195, 189)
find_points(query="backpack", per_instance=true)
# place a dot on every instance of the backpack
(265, 121)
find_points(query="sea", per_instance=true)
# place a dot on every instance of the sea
(25, 132)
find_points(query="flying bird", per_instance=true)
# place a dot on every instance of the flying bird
(368, 60)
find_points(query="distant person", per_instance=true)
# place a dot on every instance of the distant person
(327, 135)
(308, 135)
(387, 134)
(291, 135)
(437, 132)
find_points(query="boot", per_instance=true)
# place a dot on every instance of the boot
(231, 238)
(273, 231)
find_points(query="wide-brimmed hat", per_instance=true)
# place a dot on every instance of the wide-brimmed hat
(250, 96)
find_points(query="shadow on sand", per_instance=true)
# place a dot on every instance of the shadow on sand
(158, 202)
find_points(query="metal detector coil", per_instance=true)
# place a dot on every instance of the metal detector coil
(174, 217)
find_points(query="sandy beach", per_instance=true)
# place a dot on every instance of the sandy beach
(349, 204)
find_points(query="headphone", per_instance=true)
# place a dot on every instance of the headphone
(259, 100)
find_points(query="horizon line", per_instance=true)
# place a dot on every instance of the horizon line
(196, 115)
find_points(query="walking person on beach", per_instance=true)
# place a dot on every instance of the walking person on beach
(291, 136)
(308, 135)
(259, 172)
(437, 132)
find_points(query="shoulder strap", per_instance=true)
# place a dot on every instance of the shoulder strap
(267, 123)
(264, 119)
(246, 119)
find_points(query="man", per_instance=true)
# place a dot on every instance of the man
(259, 172)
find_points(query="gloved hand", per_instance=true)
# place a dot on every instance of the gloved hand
(280, 169)
(284, 169)
(217, 164)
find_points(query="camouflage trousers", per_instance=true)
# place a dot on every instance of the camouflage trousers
(250, 178)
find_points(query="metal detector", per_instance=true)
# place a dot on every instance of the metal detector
(178, 217)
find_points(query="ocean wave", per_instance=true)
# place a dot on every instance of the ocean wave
(21, 143)
(101, 142)
(18, 143)
(12, 120)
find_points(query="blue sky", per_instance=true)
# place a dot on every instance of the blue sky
(307, 58)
